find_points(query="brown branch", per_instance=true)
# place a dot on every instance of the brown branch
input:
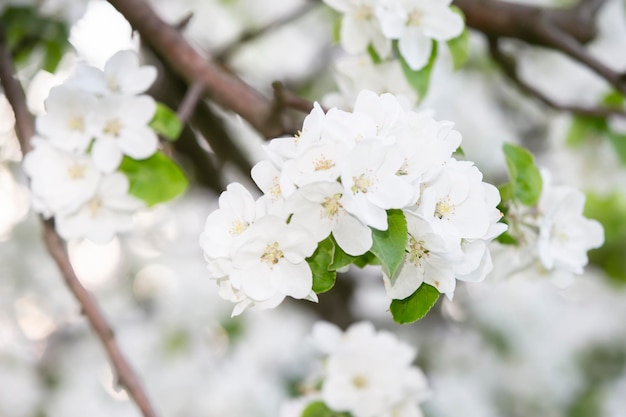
(508, 65)
(511, 20)
(25, 128)
(224, 88)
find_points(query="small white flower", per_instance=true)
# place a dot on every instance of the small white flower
(371, 185)
(368, 373)
(69, 119)
(360, 27)
(415, 23)
(565, 235)
(318, 207)
(429, 258)
(270, 264)
(108, 212)
(458, 204)
(122, 75)
(61, 182)
(123, 130)
(237, 211)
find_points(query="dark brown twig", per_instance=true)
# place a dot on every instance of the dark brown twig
(25, 128)
(509, 67)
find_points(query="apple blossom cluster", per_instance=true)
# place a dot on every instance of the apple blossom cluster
(92, 121)
(555, 229)
(341, 178)
(368, 373)
(414, 24)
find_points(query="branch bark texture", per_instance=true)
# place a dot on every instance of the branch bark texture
(25, 128)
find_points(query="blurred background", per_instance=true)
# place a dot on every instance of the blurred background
(523, 343)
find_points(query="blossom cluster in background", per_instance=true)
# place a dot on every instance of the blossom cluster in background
(414, 24)
(93, 120)
(340, 176)
(554, 233)
(366, 373)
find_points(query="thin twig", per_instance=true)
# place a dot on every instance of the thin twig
(509, 67)
(190, 101)
(226, 52)
(224, 88)
(25, 129)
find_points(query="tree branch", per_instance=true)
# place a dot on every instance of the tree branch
(224, 88)
(25, 129)
(509, 67)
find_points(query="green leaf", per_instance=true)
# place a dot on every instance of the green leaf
(507, 239)
(584, 128)
(340, 258)
(460, 49)
(319, 262)
(389, 245)
(373, 54)
(368, 258)
(154, 180)
(415, 306)
(525, 176)
(420, 79)
(459, 152)
(166, 123)
(319, 409)
(618, 141)
(614, 100)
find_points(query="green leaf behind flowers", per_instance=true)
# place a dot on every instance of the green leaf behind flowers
(420, 79)
(525, 176)
(154, 180)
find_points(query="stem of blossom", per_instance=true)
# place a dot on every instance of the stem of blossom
(25, 129)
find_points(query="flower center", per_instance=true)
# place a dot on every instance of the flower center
(76, 123)
(415, 18)
(404, 169)
(416, 251)
(444, 209)
(362, 183)
(359, 381)
(275, 190)
(332, 206)
(363, 13)
(94, 206)
(323, 164)
(238, 226)
(113, 85)
(272, 254)
(113, 127)
(76, 171)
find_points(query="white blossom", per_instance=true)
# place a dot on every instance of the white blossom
(368, 373)
(122, 74)
(61, 182)
(123, 130)
(318, 207)
(69, 122)
(360, 27)
(416, 23)
(267, 264)
(108, 212)
(565, 235)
